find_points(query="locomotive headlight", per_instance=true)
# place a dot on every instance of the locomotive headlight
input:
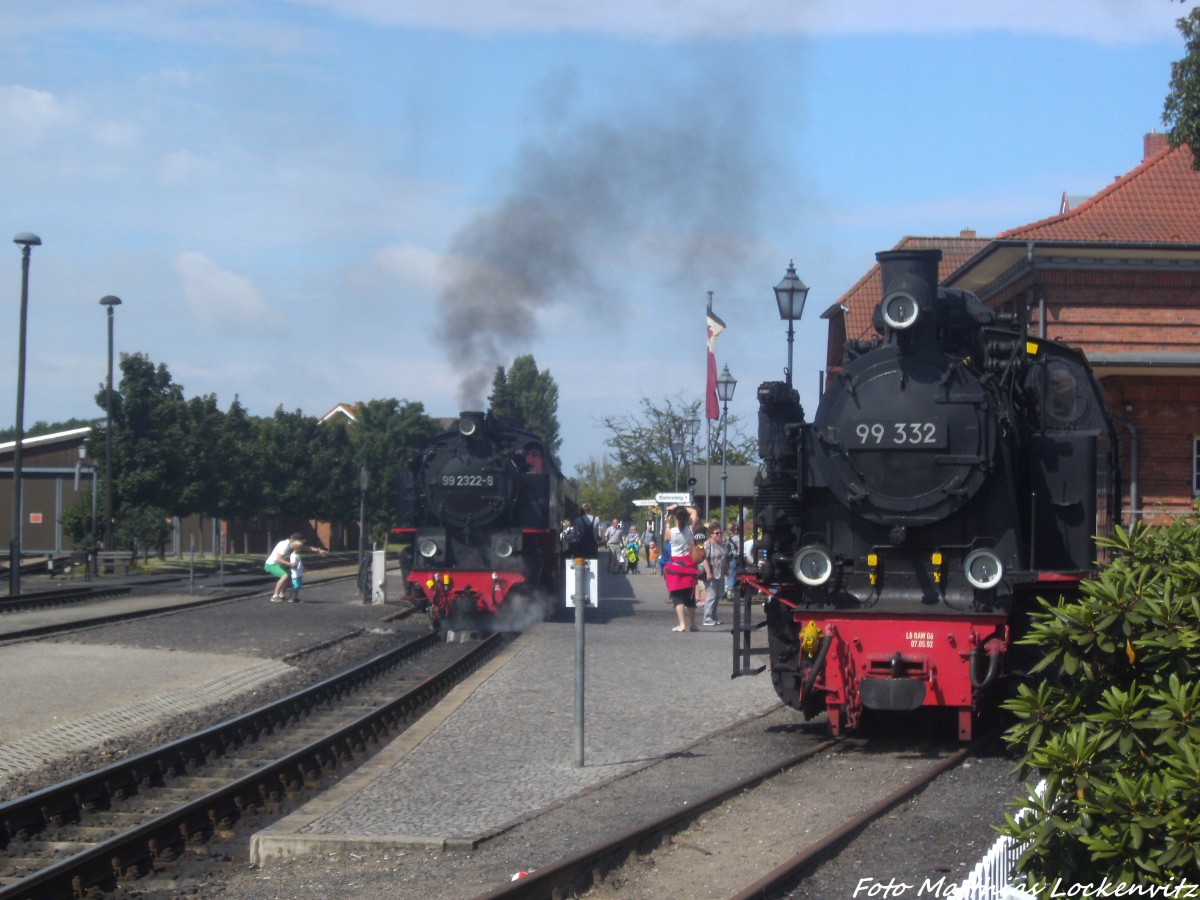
(812, 566)
(900, 310)
(504, 549)
(431, 545)
(467, 426)
(983, 569)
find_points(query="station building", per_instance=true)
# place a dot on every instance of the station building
(1116, 274)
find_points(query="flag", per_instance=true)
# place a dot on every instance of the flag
(715, 326)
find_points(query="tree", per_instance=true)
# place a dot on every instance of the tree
(145, 527)
(1115, 728)
(1181, 111)
(385, 436)
(600, 486)
(642, 445)
(526, 398)
(150, 423)
(288, 477)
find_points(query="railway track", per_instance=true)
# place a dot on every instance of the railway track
(111, 826)
(46, 600)
(717, 854)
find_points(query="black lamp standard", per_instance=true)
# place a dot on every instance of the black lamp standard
(363, 481)
(26, 240)
(790, 295)
(677, 447)
(108, 301)
(725, 387)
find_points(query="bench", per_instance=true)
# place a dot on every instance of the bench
(108, 560)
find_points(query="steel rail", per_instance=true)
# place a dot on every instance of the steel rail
(787, 873)
(547, 881)
(146, 844)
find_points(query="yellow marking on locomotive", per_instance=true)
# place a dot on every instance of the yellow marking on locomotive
(936, 559)
(1031, 347)
(809, 638)
(873, 564)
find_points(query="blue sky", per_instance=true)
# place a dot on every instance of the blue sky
(306, 202)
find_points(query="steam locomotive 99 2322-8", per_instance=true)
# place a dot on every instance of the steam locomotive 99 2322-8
(956, 469)
(481, 508)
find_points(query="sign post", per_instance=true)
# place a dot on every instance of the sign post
(581, 593)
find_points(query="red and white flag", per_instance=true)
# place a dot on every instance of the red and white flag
(715, 326)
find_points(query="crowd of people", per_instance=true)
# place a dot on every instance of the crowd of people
(699, 560)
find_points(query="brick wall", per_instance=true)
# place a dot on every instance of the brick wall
(1121, 311)
(1166, 413)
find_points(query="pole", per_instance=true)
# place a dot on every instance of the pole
(707, 466)
(108, 513)
(724, 463)
(789, 368)
(581, 600)
(14, 550)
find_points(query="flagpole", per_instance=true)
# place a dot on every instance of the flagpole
(711, 409)
(707, 425)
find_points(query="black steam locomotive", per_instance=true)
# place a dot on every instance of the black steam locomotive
(955, 469)
(481, 507)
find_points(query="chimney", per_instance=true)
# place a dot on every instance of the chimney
(1153, 144)
(967, 233)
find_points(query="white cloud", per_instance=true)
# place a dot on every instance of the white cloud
(220, 300)
(29, 114)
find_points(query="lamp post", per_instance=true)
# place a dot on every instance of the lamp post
(790, 295)
(108, 301)
(363, 480)
(725, 387)
(26, 241)
(677, 446)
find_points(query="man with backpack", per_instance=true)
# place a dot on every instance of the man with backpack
(585, 543)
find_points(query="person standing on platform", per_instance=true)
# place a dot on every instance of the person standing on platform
(614, 539)
(714, 567)
(681, 572)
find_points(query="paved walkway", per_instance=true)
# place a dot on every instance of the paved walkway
(502, 746)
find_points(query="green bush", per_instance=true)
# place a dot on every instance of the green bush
(1115, 726)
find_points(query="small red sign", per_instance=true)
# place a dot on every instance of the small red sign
(35, 518)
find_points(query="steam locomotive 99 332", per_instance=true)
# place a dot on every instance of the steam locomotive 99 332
(481, 508)
(955, 469)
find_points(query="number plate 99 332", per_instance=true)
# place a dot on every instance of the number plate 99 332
(878, 434)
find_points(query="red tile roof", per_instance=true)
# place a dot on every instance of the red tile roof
(1158, 202)
(863, 297)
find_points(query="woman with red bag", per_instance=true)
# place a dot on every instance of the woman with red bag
(681, 573)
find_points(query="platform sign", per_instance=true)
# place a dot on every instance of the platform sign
(591, 577)
(683, 498)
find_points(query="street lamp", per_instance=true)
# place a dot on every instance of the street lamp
(725, 387)
(790, 295)
(363, 481)
(108, 301)
(26, 240)
(677, 447)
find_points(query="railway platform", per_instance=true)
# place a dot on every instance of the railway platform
(501, 747)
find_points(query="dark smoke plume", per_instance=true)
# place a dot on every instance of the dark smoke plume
(673, 191)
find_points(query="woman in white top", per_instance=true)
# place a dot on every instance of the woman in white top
(681, 572)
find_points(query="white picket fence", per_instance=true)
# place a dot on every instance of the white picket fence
(991, 879)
